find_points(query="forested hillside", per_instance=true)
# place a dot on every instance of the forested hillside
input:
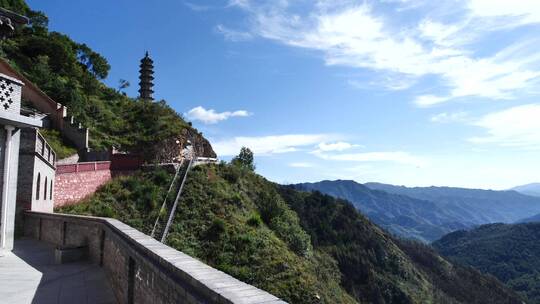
(71, 73)
(303, 247)
(509, 252)
(399, 214)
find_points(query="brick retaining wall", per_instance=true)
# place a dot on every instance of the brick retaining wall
(139, 268)
(71, 188)
(74, 182)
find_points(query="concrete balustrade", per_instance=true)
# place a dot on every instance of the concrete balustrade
(139, 268)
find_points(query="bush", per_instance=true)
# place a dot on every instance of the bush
(254, 220)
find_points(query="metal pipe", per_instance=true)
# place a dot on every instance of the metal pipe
(165, 200)
(173, 210)
(5, 184)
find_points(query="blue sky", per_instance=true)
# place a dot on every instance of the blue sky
(406, 92)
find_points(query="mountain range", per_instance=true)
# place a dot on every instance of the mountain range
(304, 247)
(529, 189)
(428, 213)
(508, 252)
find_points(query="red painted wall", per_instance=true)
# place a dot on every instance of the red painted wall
(71, 188)
(76, 181)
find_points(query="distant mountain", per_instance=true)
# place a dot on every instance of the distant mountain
(530, 189)
(509, 252)
(399, 214)
(472, 205)
(532, 219)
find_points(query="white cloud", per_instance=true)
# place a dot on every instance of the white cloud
(396, 157)
(356, 36)
(301, 165)
(211, 116)
(233, 35)
(265, 145)
(429, 100)
(335, 146)
(523, 11)
(449, 117)
(514, 127)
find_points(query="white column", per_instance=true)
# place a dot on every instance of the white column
(5, 185)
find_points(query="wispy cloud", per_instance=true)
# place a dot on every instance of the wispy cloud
(301, 165)
(449, 117)
(516, 12)
(197, 7)
(357, 35)
(267, 145)
(335, 146)
(392, 156)
(233, 35)
(211, 116)
(514, 127)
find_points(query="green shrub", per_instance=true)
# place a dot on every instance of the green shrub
(254, 220)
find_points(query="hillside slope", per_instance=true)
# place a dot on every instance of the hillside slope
(472, 205)
(509, 252)
(71, 73)
(303, 247)
(399, 214)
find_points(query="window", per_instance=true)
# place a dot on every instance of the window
(50, 194)
(45, 189)
(38, 185)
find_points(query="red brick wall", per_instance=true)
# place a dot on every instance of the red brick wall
(74, 182)
(70, 188)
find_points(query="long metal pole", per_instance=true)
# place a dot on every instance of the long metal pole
(165, 200)
(5, 186)
(173, 210)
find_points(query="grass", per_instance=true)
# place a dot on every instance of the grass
(59, 145)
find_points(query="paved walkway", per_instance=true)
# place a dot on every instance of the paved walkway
(29, 275)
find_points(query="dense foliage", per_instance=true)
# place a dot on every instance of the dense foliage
(303, 247)
(70, 73)
(509, 252)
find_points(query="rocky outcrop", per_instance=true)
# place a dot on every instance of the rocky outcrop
(202, 146)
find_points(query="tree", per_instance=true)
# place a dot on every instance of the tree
(244, 159)
(123, 84)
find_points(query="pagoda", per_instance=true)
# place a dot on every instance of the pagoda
(146, 78)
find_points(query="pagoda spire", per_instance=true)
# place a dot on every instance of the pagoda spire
(146, 78)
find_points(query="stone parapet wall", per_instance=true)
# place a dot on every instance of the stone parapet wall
(139, 268)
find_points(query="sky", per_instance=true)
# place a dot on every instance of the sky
(407, 92)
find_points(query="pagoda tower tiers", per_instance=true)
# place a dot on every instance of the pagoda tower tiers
(146, 78)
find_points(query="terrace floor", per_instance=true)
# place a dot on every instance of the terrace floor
(28, 274)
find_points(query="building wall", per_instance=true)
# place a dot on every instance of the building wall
(75, 133)
(12, 182)
(37, 163)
